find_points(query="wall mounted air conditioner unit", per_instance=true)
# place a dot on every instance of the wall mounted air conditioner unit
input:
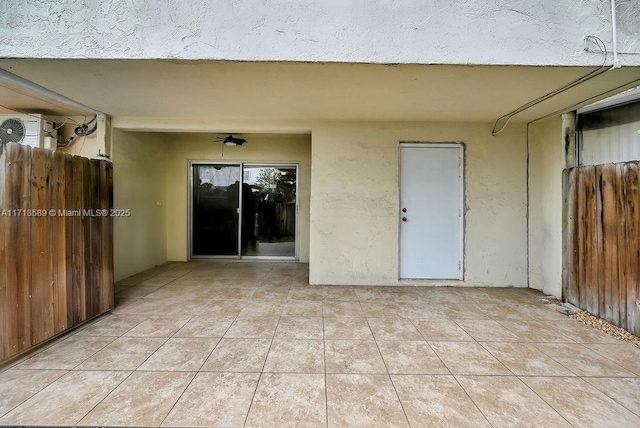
(28, 129)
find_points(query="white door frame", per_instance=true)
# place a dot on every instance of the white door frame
(423, 144)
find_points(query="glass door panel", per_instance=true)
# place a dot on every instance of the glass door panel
(269, 211)
(215, 210)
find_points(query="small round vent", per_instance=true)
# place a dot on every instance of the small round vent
(12, 131)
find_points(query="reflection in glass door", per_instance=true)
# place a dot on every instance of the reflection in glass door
(258, 221)
(215, 202)
(269, 211)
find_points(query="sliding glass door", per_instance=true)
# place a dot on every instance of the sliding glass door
(257, 221)
(269, 211)
(214, 210)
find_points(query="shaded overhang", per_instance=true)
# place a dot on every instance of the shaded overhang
(287, 91)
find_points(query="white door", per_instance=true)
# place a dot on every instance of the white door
(431, 211)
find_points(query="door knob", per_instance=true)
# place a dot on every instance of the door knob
(404, 219)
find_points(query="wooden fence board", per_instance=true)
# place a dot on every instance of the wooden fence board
(18, 313)
(571, 245)
(583, 259)
(40, 236)
(602, 241)
(632, 214)
(94, 266)
(59, 242)
(3, 241)
(609, 286)
(56, 266)
(78, 309)
(591, 240)
(106, 228)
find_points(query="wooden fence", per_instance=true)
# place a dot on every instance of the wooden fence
(602, 258)
(56, 252)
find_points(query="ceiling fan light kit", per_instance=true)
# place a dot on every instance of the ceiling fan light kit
(231, 141)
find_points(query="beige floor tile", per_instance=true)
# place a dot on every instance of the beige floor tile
(212, 325)
(441, 330)
(120, 287)
(136, 292)
(284, 399)
(238, 355)
(111, 325)
(253, 328)
(144, 399)
(522, 311)
(623, 354)
(535, 331)
(186, 281)
(465, 312)
(257, 308)
(295, 356)
(124, 353)
(214, 399)
(67, 400)
(180, 354)
(309, 293)
(132, 280)
(347, 328)
(224, 293)
(487, 331)
(468, 358)
(356, 400)
(582, 361)
(17, 385)
(411, 358)
(394, 329)
(580, 403)
(223, 307)
(625, 391)
(579, 332)
(67, 353)
(156, 281)
(353, 356)
(507, 402)
(420, 310)
(277, 293)
(525, 359)
(341, 309)
(340, 293)
(302, 308)
(158, 327)
(174, 292)
(378, 294)
(431, 401)
(300, 328)
(168, 307)
(376, 309)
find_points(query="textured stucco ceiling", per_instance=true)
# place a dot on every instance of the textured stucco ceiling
(311, 91)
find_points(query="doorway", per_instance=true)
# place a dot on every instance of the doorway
(243, 210)
(431, 209)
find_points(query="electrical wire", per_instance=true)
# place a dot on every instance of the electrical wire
(583, 102)
(586, 77)
(82, 130)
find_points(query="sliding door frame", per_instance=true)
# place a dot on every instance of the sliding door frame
(242, 165)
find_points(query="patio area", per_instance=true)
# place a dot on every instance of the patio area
(252, 344)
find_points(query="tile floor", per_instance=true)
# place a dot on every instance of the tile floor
(252, 344)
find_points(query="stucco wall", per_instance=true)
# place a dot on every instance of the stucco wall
(544, 32)
(545, 206)
(355, 202)
(185, 147)
(139, 184)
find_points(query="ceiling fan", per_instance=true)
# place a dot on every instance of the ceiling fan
(230, 140)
